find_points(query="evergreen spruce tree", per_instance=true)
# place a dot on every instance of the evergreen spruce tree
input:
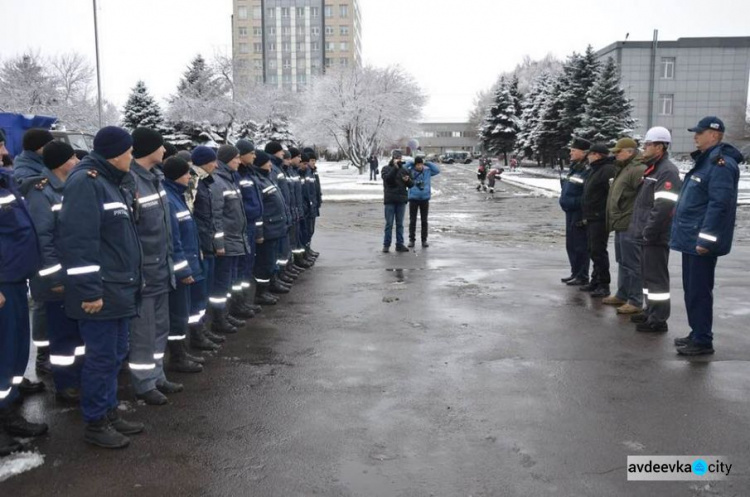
(608, 113)
(515, 93)
(551, 137)
(501, 125)
(199, 81)
(579, 74)
(531, 114)
(141, 109)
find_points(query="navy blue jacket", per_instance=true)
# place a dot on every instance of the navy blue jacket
(318, 193)
(154, 230)
(27, 165)
(229, 213)
(296, 188)
(707, 209)
(98, 241)
(308, 193)
(186, 251)
(19, 247)
(204, 212)
(282, 183)
(274, 208)
(571, 195)
(252, 199)
(44, 196)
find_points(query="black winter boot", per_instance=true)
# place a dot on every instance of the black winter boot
(284, 278)
(199, 341)
(8, 444)
(16, 425)
(277, 287)
(263, 296)
(248, 295)
(102, 434)
(122, 426)
(217, 339)
(178, 359)
(43, 366)
(219, 323)
(238, 310)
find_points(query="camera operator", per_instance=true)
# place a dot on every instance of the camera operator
(419, 196)
(396, 181)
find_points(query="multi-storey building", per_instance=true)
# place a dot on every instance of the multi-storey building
(675, 83)
(287, 42)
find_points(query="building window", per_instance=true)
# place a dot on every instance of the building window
(329, 30)
(300, 12)
(328, 11)
(258, 64)
(259, 79)
(344, 46)
(315, 64)
(314, 12)
(300, 47)
(286, 31)
(287, 79)
(315, 46)
(456, 134)
(257, 12)
(666, 105)
(330, 46)
(244, 48)
(315, 31)
(344, 62)
(344, 11)
(272, 79)
(257, 32)
(287, 64)
(301, 79)
(301, 31)
(271, 12)
(667, 67)
(286, 47)
(272, 47)
(257, 47)
(242, 30)
(272, 64)
(242, 12)
(344, 30)
(285, 12)
(329, 62)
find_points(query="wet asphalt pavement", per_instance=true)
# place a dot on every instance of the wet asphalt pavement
(465, 369)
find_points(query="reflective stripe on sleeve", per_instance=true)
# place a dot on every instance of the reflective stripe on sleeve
(115, 205)
(50, 270)
(183, 215)
(180, 265)
(83, 270)
(56, 207)
(710, 238)
(219, 235)
(149, 198)
(17, 380)
(666, 196)
(80, 351)
(4, 393)
(62, 360)
(7, 199)
(142, 367)
(175, 339)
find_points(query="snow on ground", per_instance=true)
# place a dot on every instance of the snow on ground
(20, 462)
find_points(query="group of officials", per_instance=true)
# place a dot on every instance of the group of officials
(639, 195)
(130, 254)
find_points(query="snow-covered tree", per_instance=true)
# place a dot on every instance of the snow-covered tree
(26, 87)
(359, 109)
(579, 74)
(141, 109)
(516, 95)
(501, 125)
(608, 112)
(531, 115)
(551, 138)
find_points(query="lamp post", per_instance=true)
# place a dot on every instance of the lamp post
(98, 70)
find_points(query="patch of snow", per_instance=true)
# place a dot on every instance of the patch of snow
(541, 186)
(20, 462)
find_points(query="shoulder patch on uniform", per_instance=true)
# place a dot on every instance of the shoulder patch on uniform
(720, 161)
(92, 173)
(668, 185)
(41, 184)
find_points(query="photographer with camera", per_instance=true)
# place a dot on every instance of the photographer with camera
(396, 181)
(419, 196)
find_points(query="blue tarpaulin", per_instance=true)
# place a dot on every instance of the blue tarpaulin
(15, 125)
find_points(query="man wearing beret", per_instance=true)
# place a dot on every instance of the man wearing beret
(620, 203)
(571, 196)
(595, 192)
(47, 286)
(703, 228)
(101, 254)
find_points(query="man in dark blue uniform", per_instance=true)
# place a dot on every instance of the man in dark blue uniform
(284, 252)
(703, 228)
(101, 254)
(252, 200)
(571, 196)
(19, 259)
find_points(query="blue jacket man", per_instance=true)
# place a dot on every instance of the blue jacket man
(252, 200)
(276, 151)
(19, 260)
(703, 228)
(45, 198)
(101, 255)
(419, 196)
(571, 202)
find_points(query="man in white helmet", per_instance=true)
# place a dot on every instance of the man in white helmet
(651, 226)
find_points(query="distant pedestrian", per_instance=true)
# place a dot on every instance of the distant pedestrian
(703, 228)
(419, 196)
(396, 182)
(482, 173)
(595, 192)
(374, 167)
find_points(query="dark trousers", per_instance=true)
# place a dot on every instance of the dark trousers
(423, 207)
(655, 275)
(394, 213)
(201, 291)
(303, 232)
(283, 253)
(66, 349)
(373, 174)
(179, 312)
(598, 236)
(224, 272)
(698, 282)
(246, 264)
(149, 333)
(628, 257)
(39, 326)
(265, 260)
(577, 245)
(106, 348)
(15, 340)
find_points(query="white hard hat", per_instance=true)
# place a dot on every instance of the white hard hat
(658, 134)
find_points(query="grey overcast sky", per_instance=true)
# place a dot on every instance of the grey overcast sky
(453, 48)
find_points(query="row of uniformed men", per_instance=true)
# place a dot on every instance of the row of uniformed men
(641, 197)
(127, 252)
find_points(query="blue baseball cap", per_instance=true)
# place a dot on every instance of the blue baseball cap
(709, 122)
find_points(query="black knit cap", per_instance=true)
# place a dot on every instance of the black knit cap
(245, 146)
(580, 144)
(273, 148)
(81, 153)
(310, 152)
(171, 150)
(261, 158)
(146, 141)
(226, 153)
(294, 152)
(36, 138)
(599, 148)
(175, 168)
(111, 142)
(57, 153)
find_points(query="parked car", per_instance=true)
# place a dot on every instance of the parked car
(76, 139)
(451, 157)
